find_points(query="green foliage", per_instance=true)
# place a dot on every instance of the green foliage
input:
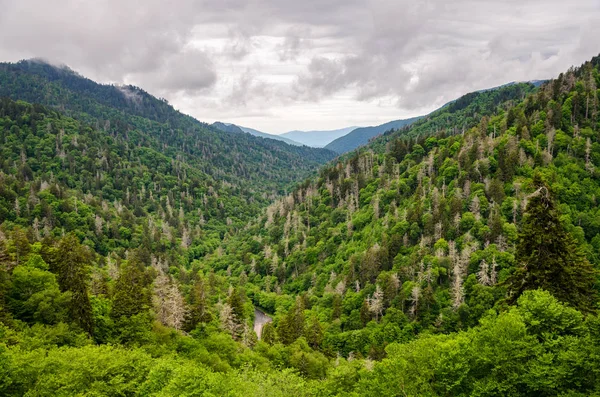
(428, 222)
(125, 270)
(69, 261)
(538, 348)
(132, 294)
(550, 258)
(34, 295)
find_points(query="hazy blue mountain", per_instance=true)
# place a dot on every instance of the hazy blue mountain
(361, 136)
(239, 129)
(317, 138)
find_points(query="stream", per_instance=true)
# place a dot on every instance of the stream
(260, 319)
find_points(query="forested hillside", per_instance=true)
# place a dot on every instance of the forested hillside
(430, 227)
(130, 114)
(455, 116)
(457, 256)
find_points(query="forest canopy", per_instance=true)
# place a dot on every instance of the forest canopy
(456, 256)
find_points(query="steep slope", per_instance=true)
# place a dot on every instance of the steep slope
(361, 136)
(317, 138)
(480, 103)
(410, 266)
(240, 130)
(130, 113)
(130, 149)
(420, 229)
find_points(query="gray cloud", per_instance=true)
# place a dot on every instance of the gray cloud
(189, 72)
(431, 52)
(109, 39)
(259, 57)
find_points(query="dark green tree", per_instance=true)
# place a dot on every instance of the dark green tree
(132, 294)
(549, 257)
(198, 309)
(236, 301)
(70, 261)
(365, 313)
(314, 333)
(4, 283)
(291, 326)
(336, 307)
(268, 334)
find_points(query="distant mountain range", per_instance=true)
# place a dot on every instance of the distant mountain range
(317, 138)
(228, 127)
(347, 139)
(361, 136)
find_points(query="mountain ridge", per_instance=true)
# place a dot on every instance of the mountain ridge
(362, 135)
(457, 255)
(230, 127)
(132, 115)
(317, 138)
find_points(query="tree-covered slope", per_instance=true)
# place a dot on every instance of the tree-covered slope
(430, 227)
(261, 167)
(458, 256)
(456, 116)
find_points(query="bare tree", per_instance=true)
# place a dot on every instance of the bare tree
(483, 275)
(415, 293)
(376, 302)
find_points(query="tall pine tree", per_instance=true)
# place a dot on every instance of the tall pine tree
(199, 306)
(132, 293)
(70, 261)
(4, 282)
(549, 258)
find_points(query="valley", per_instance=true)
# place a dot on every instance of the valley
(455, 253)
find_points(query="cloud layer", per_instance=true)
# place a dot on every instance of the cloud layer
(280, 64)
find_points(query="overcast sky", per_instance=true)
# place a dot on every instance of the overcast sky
(279, 65)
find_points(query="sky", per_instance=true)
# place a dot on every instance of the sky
(280, 65)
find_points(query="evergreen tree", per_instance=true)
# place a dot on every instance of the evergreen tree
(268, 334)
(198, 311)
(132, 294)
(70, 261)
(4, 282)
(291, 326)
(549, 256)
(336, 307)
(236, 302)
(314, 333)
(233, 314)
(365, 313)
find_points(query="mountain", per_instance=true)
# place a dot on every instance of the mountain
(238, 129)
(227, 127)
(317, 138)
(456, 116)
(458, 255)
(224, 179)
(437, 236)
(361, 136)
